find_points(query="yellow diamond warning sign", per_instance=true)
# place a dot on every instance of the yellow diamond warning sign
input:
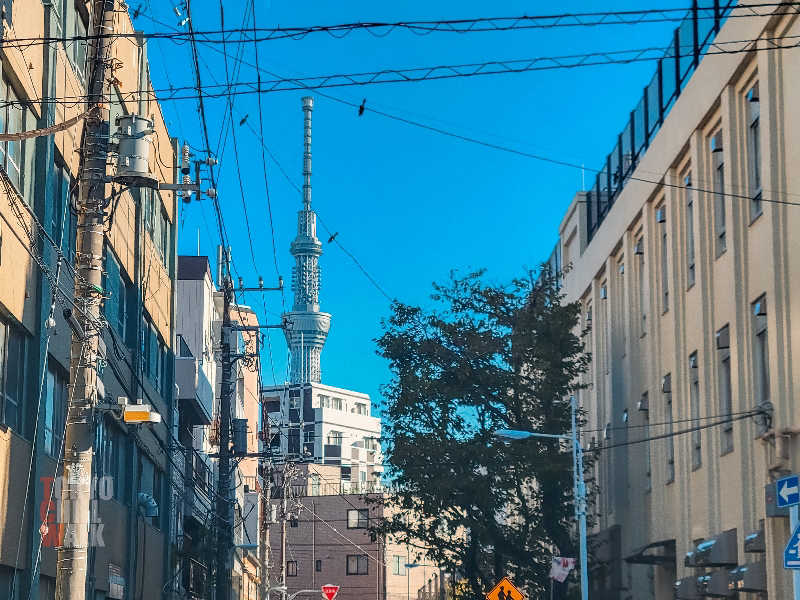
(505, 590)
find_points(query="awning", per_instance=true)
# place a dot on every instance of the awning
(655, 553)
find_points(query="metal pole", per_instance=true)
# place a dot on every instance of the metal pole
(408, 573)
(263, 533)
(224, 504)
(793, 522)
(71, 566)
(284, 510)
(580, 499)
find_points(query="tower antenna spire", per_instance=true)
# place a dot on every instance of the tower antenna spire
(309, 326)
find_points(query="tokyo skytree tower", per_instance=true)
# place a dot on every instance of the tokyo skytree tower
(307, 327)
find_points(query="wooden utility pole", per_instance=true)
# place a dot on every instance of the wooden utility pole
(224, 521)
(265, 500)
(71, 566)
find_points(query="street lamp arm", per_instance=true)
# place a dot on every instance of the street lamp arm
(517, 434)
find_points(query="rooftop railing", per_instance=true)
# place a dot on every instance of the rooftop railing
(690, 41)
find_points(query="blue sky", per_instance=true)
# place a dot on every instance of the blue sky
(409, 204)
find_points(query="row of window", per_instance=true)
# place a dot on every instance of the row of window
(356, 564)
(325, 401)
(723, 412)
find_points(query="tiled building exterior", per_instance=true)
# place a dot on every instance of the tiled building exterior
(690, 299)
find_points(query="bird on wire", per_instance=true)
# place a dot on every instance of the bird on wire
(333, 237)
(361, 108)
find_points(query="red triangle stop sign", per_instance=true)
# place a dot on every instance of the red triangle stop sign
(330, 591)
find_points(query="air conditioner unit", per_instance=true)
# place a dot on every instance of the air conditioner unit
(661, 215)
(719, 551)
(690, 560)
(643, 405)
(686, 589)
(754, 542)
(751, 577)
(715, 585)
(723, 339)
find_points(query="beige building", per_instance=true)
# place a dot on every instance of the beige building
(681, 255)
(131, 548)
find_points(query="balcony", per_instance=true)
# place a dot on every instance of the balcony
(199, 495)
(195, 394)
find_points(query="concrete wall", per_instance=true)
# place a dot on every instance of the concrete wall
(25, 300)
(631, 354)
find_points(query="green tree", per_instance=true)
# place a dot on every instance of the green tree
(485, 357)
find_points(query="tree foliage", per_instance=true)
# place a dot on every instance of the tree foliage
(486, 357)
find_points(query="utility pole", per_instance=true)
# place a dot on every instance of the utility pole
(225, 500)
(224, 525)
(288, 473)
(284, 510)
(71, 566)
(265, 469)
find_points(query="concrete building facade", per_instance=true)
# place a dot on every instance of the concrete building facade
(37, 227)
(683, 259)
(198, 372)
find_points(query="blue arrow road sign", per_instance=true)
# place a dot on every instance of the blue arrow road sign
(787, 491)
(791, 555)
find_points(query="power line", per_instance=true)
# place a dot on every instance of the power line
(681, 432)
(382, 29)
(439, 72)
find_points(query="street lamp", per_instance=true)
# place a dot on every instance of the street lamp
(579, 487)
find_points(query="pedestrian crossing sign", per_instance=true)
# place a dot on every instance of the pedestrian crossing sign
(505, 590)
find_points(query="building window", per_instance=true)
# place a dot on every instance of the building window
(694, 406)
(291, 568)
(641, 282)
(357, 564)
(118, 291)
(661, 213)
(13, 344)
(725, 396)
(666, 389)
(55, 408)
(648, 468)
(111, 444)
(12, 119)
(690, 274)
(398, 565)
(63, 216)
(761, 350)
(318, 566)
(358, 518)
(753, 113)
(718, 164)
(335, 438)
(77, 54)
(360, 408)
(293, 522)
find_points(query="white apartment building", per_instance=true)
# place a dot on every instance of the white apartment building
(326, 425)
